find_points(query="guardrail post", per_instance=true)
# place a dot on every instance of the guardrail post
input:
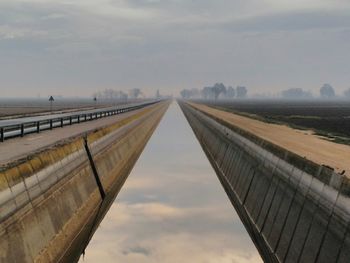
(70, 120)
(22, 130)
(79, 119)
(51, 124)
(61, 122)
(38, 127)
(85, 117)
(2, 133)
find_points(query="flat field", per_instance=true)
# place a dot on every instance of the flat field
(303, 143)
(29, 107)
(326, 118)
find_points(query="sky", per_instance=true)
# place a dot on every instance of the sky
(75, 47)
(172, 208)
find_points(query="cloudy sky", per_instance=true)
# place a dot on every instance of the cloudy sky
(74, 47)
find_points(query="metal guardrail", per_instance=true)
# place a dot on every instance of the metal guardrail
(24, 128)
(17, 196)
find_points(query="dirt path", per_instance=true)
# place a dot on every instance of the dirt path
(303, 143)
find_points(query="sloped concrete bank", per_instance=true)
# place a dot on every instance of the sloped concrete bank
(50, 203)
(294, 210)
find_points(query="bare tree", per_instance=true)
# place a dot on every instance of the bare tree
(195, 93)
(231, 92)
(241, 91)
(207, 93)
(327, 91)
(135, 93)
(185, 94)
(218, 89)
(296, 93)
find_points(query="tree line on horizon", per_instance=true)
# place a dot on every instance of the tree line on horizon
(217, 91)
(111, 94)
(220, 91)
(326, 92)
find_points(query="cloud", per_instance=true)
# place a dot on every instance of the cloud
(154, 211)
(11, 32)
(292, 21)
(87, 44)
(148, 232)
(137, 250)
(142, 183)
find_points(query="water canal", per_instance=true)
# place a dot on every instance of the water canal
(172, 208)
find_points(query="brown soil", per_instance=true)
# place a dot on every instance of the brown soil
(302, 143)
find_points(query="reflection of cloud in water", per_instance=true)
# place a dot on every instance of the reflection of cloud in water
(175, 211)
(137, 250)
(155, 232)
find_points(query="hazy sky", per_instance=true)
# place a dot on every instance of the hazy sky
(73, 47)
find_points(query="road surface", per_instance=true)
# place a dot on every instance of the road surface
(21, 147)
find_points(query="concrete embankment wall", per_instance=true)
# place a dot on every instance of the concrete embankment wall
(50, 204)
(294, 210)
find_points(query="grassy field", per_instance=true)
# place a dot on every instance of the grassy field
(330, 119)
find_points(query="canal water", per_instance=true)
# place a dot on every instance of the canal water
(172, 207)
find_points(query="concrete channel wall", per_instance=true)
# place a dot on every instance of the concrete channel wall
(292, 215)
(50, 204)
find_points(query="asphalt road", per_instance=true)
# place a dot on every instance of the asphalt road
(18, 121)
(18, 148)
